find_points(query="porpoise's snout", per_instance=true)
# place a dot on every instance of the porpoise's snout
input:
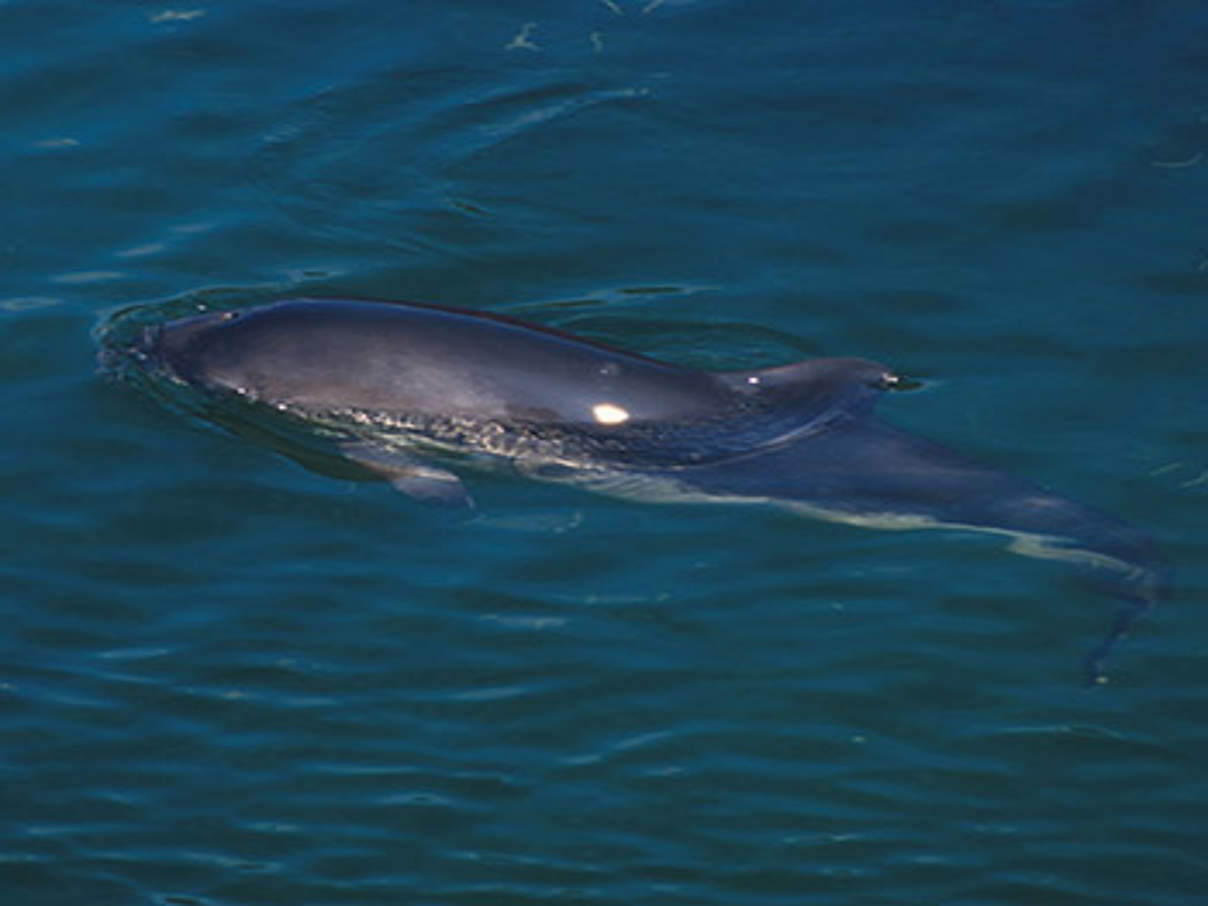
(173, 347)
(146, 345)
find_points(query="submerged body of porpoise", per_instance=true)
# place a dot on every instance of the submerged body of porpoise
(407, 389)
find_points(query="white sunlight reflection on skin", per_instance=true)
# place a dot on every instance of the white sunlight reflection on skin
(609, 414)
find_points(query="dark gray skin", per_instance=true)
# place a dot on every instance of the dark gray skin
(401, 384)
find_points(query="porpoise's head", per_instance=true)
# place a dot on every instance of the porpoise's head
(297, 359)
(198, 351)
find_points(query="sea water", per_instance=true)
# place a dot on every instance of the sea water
(228, 679)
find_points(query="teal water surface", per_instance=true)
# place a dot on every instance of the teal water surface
(228, 679)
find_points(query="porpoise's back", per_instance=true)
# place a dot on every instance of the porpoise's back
(323, 355)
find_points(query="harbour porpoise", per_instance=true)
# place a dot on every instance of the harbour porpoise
(407, 390)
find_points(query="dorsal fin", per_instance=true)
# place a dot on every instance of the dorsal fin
(848, 384)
